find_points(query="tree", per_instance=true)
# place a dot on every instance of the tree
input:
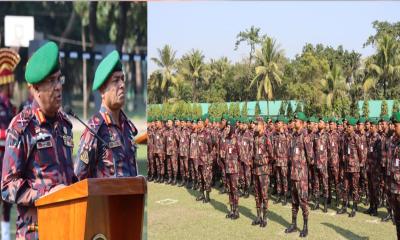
(384, 108)
(365, 109)
(257, 110)
(166, 61)
(299, 107)
(252, 37)
(282, 108)
(334, 86)
(289, 111)
(244, 110)
(268, 70)
(396, 106)
(191, 68)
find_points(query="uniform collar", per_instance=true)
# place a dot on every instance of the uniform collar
(108, 117)
(41, 118)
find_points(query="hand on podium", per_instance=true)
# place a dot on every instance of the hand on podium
(56, 188)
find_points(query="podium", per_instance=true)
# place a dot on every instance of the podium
(94, 208)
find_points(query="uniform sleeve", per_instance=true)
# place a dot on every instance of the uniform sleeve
(308, 148)
(86, 157)
(14, 187)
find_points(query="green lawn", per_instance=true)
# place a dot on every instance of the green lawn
(174, 214)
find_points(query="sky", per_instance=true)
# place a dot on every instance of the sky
(212, 26)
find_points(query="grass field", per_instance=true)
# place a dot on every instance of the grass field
(142, 164)
(173, 213)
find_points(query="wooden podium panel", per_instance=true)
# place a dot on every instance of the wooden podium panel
(108, 207)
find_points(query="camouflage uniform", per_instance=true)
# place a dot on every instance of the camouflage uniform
(301, 156)
(232, 170)
(117, 158)
(320, 147)
(184, 140)
(281, 157)
(38, 157)
(363, 182)
(204, 170)
(394, 172)
(374, 168)
(221, 162)
(215, 153)
(334, 151)
(151, 167)
(7, 112)
(193, 157)
(246, 145)
(171, 153)
(159, 153)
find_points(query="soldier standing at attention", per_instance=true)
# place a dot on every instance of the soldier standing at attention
(159, 150)
(232, 170)
(38, 149)
(333, 161)
(204, 170)
(9, 60)
(184, 140)
(118, 157)
(246, 145)
(262, 155)
(352, 159)
(171, 151)
(301, 156)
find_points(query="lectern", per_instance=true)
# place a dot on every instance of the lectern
(94, 208)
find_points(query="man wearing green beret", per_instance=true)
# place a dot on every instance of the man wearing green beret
(246, 142)
(171, 151)
(394, 171)
(117, 156)
(38, 152)
(363, 134)
(302, 155)
(151, 164)
(334, 150)
(352, 160)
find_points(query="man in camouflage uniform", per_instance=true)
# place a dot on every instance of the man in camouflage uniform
(193, 156)
(204, 169)
(246, 145)
(221, 160)
(38, 149)
(352, 160)
(262, 156)
(362, 133)
(334, 151)
(116, 156)
(301, 156)
(171, 151)
(320, 147)
(281, 146)
(232, 170)
(9, 60)
(151, 168)
(394, 171)
(159, 150)
(184, 140)
(373, 165)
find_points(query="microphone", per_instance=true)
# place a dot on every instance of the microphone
(67, 109)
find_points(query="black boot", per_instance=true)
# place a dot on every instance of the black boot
(353, 210)
(182, 183)
(292, 227)
(343, 210)
(279, 199)
(388, 217)
(325, 205)
(161, 179)
(223, 190)
(374, 211)
(369, 210)
(207, 198)
(304, 232)
(169, 180)
(200, 197)
(330, 198)
(149, 178)
(235, 214)
(246, 193)
(337, 198)
(258, 218)
(194, 184)
(284, 202)
(316, 206)
(230, 213)
(157, 179)
(174, 182)
(263, 222)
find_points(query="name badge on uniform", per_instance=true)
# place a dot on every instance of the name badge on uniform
(297, 150)
(279, 145)
(371, 149)
(333, 144)
(68, 141)
(157, 137)
(44, 144)
(230, 150)
(397, 162)
(362, 147)
(259, 151)
(182, 140)
(114, 144)
(244, 143)
(169, 139)
(321, 148)
(348, 151)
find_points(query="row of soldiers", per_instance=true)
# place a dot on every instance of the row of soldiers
(36, 144)
(305, 158)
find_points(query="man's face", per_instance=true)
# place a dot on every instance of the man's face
(360, 127)
(321, 125)
(374, 128)
(48, 93)
(298, 124)
(113, 91)
(350, 128)
(367, 126)
(169, 123)
(340, 127)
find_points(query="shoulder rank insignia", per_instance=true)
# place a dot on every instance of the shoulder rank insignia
(44, 144)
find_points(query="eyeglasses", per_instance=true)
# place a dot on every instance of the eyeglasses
(52, 82)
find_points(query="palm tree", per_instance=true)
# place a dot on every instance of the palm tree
(268, 71)
(167, 63)
(192, 67)
(334, 86)
(252, 37)
(386, 67)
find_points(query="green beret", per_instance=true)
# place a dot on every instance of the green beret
(225, 117)
(300, 116)
(361, 120)
(339, 122)
(107, 66)
(333, 119)
(353, 121)
(373, 121)
(313, 119)
(43, 63)
(396, 117)
(285, 120)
